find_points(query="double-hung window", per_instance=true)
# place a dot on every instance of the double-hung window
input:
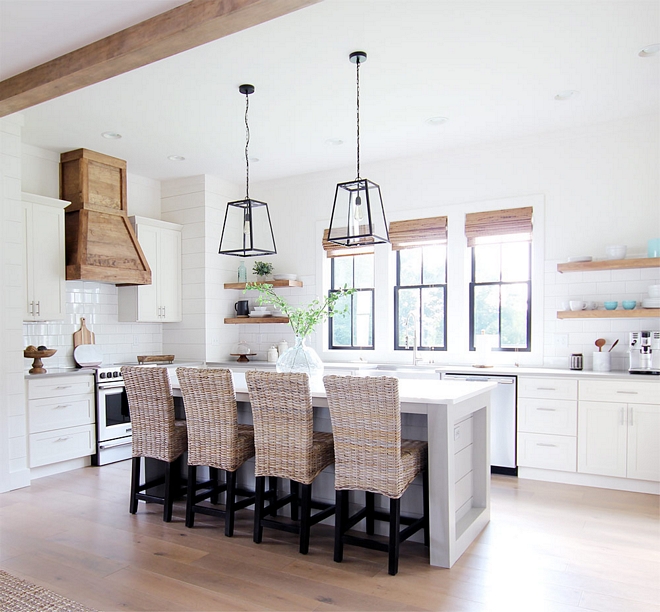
(501, 286)
(420, 293)
(352, 267)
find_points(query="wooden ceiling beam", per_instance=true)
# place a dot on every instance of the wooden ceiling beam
(184, 27)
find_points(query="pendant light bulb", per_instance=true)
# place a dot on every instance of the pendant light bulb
(358, 209)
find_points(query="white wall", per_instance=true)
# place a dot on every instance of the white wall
(600, 186)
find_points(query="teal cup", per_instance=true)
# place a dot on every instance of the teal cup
(653, 247)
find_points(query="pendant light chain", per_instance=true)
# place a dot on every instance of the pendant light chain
(357, 71)
(247, 142)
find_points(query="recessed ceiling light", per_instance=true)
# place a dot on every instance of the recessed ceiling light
(650, 50)
(176, 157)
(567, 94)
(111, 135)
(334, 142)
(436, 120)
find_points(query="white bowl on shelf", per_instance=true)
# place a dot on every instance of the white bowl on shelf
(254, 314)
(580, 258)
(617, 251)
(290, 277)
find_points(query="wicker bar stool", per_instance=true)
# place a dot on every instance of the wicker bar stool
(287, 447)
(370, 456)
(216, 440)
(156, 433)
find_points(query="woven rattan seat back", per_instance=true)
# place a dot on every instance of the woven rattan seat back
(366, 424)
(211, 417)
(283, 425)
(152, 413)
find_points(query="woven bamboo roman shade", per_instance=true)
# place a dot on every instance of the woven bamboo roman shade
(414, 233)
(332, 249)
(498, 223)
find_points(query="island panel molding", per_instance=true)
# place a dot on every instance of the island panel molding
(185, 27)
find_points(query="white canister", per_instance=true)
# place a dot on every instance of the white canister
(272, 354)
(602, 361)
(282, 347)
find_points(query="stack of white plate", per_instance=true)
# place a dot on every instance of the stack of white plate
(651, 302)
(260, 313)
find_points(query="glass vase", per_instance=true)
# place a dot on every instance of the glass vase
(300, 358)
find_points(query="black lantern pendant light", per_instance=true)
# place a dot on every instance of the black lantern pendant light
(247, 230)
(358, 216)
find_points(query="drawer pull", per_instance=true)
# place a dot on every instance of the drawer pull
(546, 388)
(63, 387)
(62, 439)
(543, 444)
(628, 392)
(62, 406)
(548, 409)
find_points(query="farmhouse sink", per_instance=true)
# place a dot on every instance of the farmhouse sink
(402, 371)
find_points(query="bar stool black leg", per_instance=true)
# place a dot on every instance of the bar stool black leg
(230, 503)
(272, 492)
(425, 489)
(190, 495)
(393, 546)
(168, 500)
(259, 485)
(213, 477)
(135, 483)
(294, 490)
(341, 497)
(305, 516)
(369, 498)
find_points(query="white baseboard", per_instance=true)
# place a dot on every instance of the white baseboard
(590, 480)
(61, 466)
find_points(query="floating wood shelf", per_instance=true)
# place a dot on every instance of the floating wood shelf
(255, 320)
(636, 313)
(609, 264)
(275, 283)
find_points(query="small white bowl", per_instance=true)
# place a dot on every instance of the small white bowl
(654, 291)
(617, 251)
(261, 308)
(291, 277)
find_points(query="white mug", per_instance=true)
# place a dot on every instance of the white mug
(577, 305)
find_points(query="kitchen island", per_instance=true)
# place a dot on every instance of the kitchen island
(457, 420)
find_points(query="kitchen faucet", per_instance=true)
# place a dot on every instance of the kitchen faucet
(407, 323)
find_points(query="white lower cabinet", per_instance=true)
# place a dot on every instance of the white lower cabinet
(60, 419)
(619, 437)
(547, 423)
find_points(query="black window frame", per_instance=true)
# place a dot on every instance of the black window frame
(353, 297)
(420, 287)
(501, 283)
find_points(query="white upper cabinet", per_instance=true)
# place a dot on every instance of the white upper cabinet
(159, 302)
(44, 258)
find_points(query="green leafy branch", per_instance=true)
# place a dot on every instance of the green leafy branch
(303, 319)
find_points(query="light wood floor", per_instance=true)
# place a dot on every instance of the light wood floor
(548, 547)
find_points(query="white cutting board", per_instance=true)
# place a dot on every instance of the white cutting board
(87, 355)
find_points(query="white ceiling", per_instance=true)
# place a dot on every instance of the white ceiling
(492, 67)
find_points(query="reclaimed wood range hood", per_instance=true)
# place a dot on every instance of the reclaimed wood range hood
(100, 242)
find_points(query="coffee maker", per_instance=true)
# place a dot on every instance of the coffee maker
(644, 352)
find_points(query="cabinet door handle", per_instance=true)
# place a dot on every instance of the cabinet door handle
(39, 309)
(623, 415)
(628, 392)
(548, 409)
(543, 444)
(546, 388)
(31, 309)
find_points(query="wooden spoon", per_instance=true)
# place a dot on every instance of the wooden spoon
(615, 343)
(600, 343)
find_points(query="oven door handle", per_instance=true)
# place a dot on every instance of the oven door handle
(115, 443)
(109, 387)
